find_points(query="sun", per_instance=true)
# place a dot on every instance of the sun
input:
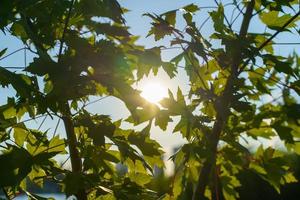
(154, 92)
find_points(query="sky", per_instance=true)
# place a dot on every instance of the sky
(139, 25)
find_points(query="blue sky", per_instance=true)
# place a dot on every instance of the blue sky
(140, 26)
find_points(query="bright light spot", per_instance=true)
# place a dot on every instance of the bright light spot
(154, 92)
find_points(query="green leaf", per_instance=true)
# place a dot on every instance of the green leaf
(261, 132)
(170, 69)
(292, 111)
(9, 113)
(296, 86)
(296, 148)
(284, 132)
(171, 17)
(177, 58)
(242, 106)
(111, 30)
(274, 21)
(191, 8)
(151, 57)
(2, 52)
(97, 131)
(56, 145)
(42, 159)
(17, 81)
(278, 64)
(73, 183)
(20, 135)
(17, 165)
(148, 146)
(160, 27)
(140, 178)
(257, 168)
(290, 178)
(110, 156)
(162, 119)
(218, 18)
(260, 39)
(180, 97)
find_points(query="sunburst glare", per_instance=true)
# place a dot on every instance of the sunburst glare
(154, 92)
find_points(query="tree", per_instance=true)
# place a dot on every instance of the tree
(82, 48)
(229, 74)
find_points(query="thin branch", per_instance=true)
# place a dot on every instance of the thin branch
(56, 127)
(62, 40)
(285, 43)
(236, 8)
(25, 58)
(203, 23)
(40, 126)
(95, 101)
(272, 101)
(12, 53)
(27, 120)
(55, 146)
(4, 147)
(268, 41)
(65, 161)
(207, 7)
(238, 15)
(13, 67)
(169, 48)
(34, 37)
(193, 67)
(237, 5)
(90, 103)
(269, 78)
(259, 11)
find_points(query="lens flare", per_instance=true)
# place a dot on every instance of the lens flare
(154, 92)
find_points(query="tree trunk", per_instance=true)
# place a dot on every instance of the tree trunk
(72, 142)
(223, 110)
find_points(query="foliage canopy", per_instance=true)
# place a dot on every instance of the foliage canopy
(83, 48)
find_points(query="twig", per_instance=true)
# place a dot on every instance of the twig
(192, 63)
(203, 23)
(65, 161)
(40, 126)
(268, 41)
(89, 103)
(56, 127)
(62, 40)
(12, 53)
(13, 67)
(238, 15)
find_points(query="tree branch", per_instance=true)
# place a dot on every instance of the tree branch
(62, 40)
(269, 40)
(12, 53)
(76, 162)
(222, 107)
